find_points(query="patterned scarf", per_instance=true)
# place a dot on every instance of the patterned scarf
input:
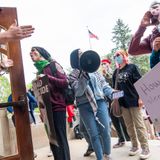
(89, 92)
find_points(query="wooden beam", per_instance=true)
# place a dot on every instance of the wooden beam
(23, 130)
(14, 157)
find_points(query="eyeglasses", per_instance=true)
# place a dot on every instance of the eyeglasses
(33, 51)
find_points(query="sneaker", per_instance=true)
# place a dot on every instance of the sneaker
(49, 154)
(145, 153)
(88, 152)
(106, 157)
(133, 151)
(119, 144)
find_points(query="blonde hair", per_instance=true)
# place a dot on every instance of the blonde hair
(124, 54)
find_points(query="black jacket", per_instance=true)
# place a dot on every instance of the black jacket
(127, 76)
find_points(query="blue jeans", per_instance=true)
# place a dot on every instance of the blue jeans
(100, 136)
(85, 134)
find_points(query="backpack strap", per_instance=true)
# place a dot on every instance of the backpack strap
(55, 66)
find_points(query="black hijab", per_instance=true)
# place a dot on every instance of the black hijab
(74, 59)
(43, 53)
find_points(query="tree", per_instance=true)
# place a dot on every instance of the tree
(121, 35)
(5, 89)
(142, 61)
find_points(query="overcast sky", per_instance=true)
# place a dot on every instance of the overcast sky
(60, 25)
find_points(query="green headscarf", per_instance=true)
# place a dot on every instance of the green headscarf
(40, 65)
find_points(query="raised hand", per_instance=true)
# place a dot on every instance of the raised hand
(146, 20)
(16, 32)
(156, 44)
(19, 32)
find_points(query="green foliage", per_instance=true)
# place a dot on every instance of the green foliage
(121, 35)
(36, 110)
(5, 89)
(142, 61)
(29, 85)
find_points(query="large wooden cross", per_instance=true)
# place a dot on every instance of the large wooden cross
(13, 51)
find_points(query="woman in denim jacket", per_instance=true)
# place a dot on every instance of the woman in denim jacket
(90, 89)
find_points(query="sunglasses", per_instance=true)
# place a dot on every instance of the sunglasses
(33, 49)
(117, 55)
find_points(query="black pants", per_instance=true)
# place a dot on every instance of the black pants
(60, 152)
(120, 127)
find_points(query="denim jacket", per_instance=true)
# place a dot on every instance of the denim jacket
(100, 86)
(80, 81)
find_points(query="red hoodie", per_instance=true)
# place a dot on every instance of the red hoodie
(144, 46)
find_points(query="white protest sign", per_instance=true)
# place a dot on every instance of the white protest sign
(148, 88)
(117, 94)
(42, 94)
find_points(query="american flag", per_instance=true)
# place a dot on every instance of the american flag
(91, 35)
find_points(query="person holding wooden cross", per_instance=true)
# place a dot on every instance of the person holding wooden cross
(13, 33)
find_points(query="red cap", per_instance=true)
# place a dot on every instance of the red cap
(105, 61)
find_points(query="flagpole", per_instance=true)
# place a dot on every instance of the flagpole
(90, 43)
(89, 39)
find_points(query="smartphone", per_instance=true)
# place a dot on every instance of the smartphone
(154, 20)
(117, 94)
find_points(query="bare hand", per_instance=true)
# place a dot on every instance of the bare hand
(140, 103)
(19, 32)
(156, 44)
(6, 63)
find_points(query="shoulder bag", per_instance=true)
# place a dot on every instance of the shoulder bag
(115, 106)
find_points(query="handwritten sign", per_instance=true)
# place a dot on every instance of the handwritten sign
(148, 88)
(42, 94)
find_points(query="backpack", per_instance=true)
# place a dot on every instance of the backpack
(68, 92)
(69, 95)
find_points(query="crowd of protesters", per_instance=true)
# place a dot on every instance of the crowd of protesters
(93, 93)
